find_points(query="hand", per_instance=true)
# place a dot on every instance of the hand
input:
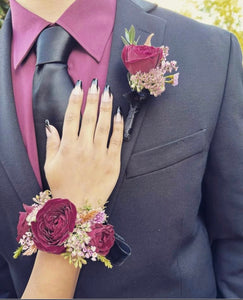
(80, 167)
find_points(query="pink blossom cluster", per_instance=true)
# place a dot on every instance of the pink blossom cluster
(175, 79)
(27, 240)
(27, 243)
(168, 66)
(165, 51)
(90, 239)
(154, 81)
(100, 218)
(43, 197)
(78, 243)
(32, 215)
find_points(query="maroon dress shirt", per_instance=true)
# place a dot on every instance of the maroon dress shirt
(91, 23)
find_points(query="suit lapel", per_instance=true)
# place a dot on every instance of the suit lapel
(13, 155)
(127, 14)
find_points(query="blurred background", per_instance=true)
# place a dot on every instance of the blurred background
(227, 14)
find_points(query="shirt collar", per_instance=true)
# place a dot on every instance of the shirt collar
(90, 22)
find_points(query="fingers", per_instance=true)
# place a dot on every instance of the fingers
(117, 136)
(104, 121)
(72, 115)
(89, 118)
(93, 132)
(52, 142)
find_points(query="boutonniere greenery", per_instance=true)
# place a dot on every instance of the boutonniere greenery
(147, 68)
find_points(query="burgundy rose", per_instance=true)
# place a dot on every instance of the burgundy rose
(53, 224)
(141, 58)
(23, 226)
(102, 237)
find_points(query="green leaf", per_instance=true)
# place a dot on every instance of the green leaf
(76, 263)
(66, 254)
(132, 34)
(136, 42)
(127, 35)
(125, 42)
(83, 261)
(18, 252)
(80, 264)
(106, 261)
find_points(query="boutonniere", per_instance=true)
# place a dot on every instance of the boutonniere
(147, 68)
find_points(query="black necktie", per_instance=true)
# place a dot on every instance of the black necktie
(51, 85)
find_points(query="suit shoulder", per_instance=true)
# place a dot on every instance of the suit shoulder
(192, 30)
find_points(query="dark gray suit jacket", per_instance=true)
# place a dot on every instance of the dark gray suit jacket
(179, 198)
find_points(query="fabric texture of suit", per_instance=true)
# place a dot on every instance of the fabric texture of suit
(179, 198)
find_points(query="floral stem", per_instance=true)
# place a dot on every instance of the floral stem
(134, 109)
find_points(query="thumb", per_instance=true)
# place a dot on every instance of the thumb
(52, 143)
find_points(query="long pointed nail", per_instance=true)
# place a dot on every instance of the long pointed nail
(106, 97)
(78, 88)
(47, 125)
(94, 86)
(107, 89)
(118, 117)
(79, 83)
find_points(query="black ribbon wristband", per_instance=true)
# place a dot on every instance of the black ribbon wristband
(119, 252)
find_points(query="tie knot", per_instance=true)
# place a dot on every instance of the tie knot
(54, 44)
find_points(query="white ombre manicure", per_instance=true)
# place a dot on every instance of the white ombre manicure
(78, 88)
(118, 117)
(106, 96)
(94, 86)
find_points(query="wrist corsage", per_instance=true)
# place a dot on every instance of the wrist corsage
(147, 67)
(56, 226)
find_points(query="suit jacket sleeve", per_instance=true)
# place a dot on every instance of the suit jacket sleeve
(223, 184)
(6, 284)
